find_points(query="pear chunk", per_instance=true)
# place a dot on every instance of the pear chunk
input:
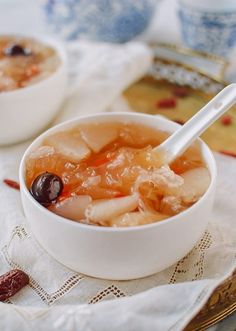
(196, 182)
(70, 146)
(97, 137)
(137, 218)
(73, 207)
(102, 211)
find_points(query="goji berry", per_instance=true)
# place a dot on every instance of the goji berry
(180, 91)
(181, 122)
(226, 120)
(12, 183)
(228, 153)
(166, 103)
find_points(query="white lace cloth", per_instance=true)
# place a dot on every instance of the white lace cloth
(60, 299)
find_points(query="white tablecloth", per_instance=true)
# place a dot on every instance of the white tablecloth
(18, 16)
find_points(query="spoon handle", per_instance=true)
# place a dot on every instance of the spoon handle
(178, 142)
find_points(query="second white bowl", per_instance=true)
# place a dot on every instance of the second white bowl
(27, 111)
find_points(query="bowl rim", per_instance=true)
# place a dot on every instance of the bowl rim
(210, 160)
(202, 8)
(55, 44)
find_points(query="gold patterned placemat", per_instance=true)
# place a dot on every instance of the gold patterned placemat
(149, 96)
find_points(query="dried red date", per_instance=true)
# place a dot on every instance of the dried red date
(12, 282)
(12, 184)
(166, 103)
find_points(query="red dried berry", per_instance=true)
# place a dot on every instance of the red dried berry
(180, 91)
(226, 120)
(228, 153)
(181, 122)
(16, 50)
(12, 282)
(119, 195)
(46, 188)
(12, 183)
(166, 103)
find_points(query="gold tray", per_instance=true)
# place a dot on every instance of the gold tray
(160, 83)
(221, 304)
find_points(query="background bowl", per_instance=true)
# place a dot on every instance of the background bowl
(208, 26)
(118, 253)
(105, 20)
(27, 111)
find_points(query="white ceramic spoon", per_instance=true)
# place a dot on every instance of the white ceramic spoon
(178, 142)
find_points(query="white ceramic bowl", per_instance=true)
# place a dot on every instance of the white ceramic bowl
(27, 111)
(118, 253)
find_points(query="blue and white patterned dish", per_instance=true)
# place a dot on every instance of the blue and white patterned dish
(209, 31)
(104, 20)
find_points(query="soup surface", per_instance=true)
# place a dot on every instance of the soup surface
(24, 62)
(107, 174)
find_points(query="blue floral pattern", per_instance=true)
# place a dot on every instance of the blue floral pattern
(105, 20)
(207, 31)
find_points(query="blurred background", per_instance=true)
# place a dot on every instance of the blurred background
(31, 16)
(205, 25)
